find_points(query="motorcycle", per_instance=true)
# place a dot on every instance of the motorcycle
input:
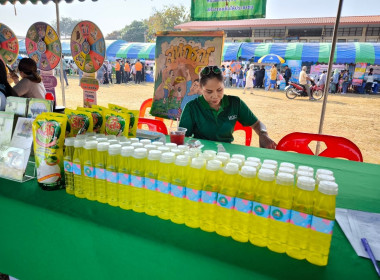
(293, 90)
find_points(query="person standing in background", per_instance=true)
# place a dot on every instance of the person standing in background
(287, 75)
(240, 78)
(228, 76)
(117, 70)
(273, 77)
(345, 78)
(65, 68)
(127, 71)
(322, 80)
(335, 81)
(249, 79)
(368, 85)
(138, 67)
(122, 73)
(109, 71)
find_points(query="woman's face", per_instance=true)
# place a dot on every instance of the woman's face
(213, 92)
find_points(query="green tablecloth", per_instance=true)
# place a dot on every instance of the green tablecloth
(53, 235)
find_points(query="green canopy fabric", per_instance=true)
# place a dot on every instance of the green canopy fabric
(3, 2)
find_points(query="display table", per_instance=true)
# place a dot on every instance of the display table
(53, 235)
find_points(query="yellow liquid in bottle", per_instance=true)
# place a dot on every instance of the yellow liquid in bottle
(124, 183)
(89, 170)
(68, 163)
(164, 178)
(178, 190)
(151, 172)
(100, 176)
(78, 172)
(112, 185)
(138, 183)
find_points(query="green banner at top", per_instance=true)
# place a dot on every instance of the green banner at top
(202, 10)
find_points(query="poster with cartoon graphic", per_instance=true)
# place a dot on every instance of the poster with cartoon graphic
(43, 46)
(8, 45)
(88, 47)
(180, 56)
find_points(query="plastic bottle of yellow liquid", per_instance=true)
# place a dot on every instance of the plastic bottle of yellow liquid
(322, 224)
(112, 186)
(138, 179)
(89, 169)
(210, 189)
(226, 199)
(280, 212)
(300, 219)
(238, 161)
(78, 168)
(178, 189)
(68, 164)
(151, 172)
(194, 191)
(100, 172)
(164, 177)
(243, 204)
(269, 166)
(271, 161)
(258, 226)
(239, 156)
(125, 177)
(321, 177)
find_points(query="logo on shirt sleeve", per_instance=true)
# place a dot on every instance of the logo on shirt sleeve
(232, 117)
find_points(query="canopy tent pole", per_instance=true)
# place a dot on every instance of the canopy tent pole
(331, 60)
(61, 65)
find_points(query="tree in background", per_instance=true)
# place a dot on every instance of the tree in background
(166, 19)
(66, 26)
(114, 35)
(135, 32)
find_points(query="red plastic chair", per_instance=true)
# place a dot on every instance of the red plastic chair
(337, 147)
(247, 130)
(144, 106)
(154, 125)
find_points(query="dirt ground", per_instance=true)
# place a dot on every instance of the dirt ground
(352, 116)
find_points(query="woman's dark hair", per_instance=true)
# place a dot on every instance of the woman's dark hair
(208, 73)
(29, 67)
(4, 80)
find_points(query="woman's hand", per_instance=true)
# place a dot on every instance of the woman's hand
(266, 142)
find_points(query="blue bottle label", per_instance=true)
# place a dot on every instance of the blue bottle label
(209, 197)
(177, 191)
(163, 187)
(111, 176)
(322, 225)
(300, 219)
(124, 179)
(68, 166)
(193, 195)
(225, 201)
(137, 181)
(280, 214)
(243, 205)
(100, 173)
(260, 209)
(150, 184)
(77, 169)
(89, 171)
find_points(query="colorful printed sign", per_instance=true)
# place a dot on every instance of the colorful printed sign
(357, 79)
(43, 45)
(88, 46)
(89, 98)
(227, 9)
(180, 56)
(8, 45)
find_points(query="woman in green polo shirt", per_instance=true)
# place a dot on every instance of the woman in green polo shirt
(213, 115)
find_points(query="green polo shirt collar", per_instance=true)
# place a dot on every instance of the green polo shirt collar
(205, 104)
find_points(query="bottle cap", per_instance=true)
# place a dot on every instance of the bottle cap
(284, 169)
(167, 157)
(270, 161)
(137, 145)
(306, 168)
(223, 159)
(81, 136)
(114, 149)
(69, 141)
(78, 143)
(207, 157)
(89, 138)
(103, 146)
(150, 147)
(213, 165)
(123, 139)
(324, 177)
(145, 141)
(210, 152)
(253, 164)
(266, 175)
(171, 145)
(90, 134)
(255, 159)
(183, 148)
(140, 153)
(198, 163)
(134, 140)
(182, 160)
(127, 151)
(288, 165)
(306, 183)
(101, 139)
(304, 173)
(248, 171)
(163, 149)
(176, 151)
(285, 179)
(194, 152)
(238, 161)
(90, 145)
(224, 154)
(239, 156)
(269, 166)
(113, 141)
(158, 143)
(154, 155)
(324, 171)
(109, 137)
(100, 135)
(231, 168)
(125, 144)
(328, 187)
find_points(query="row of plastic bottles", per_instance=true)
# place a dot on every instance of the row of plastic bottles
(211, 191)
